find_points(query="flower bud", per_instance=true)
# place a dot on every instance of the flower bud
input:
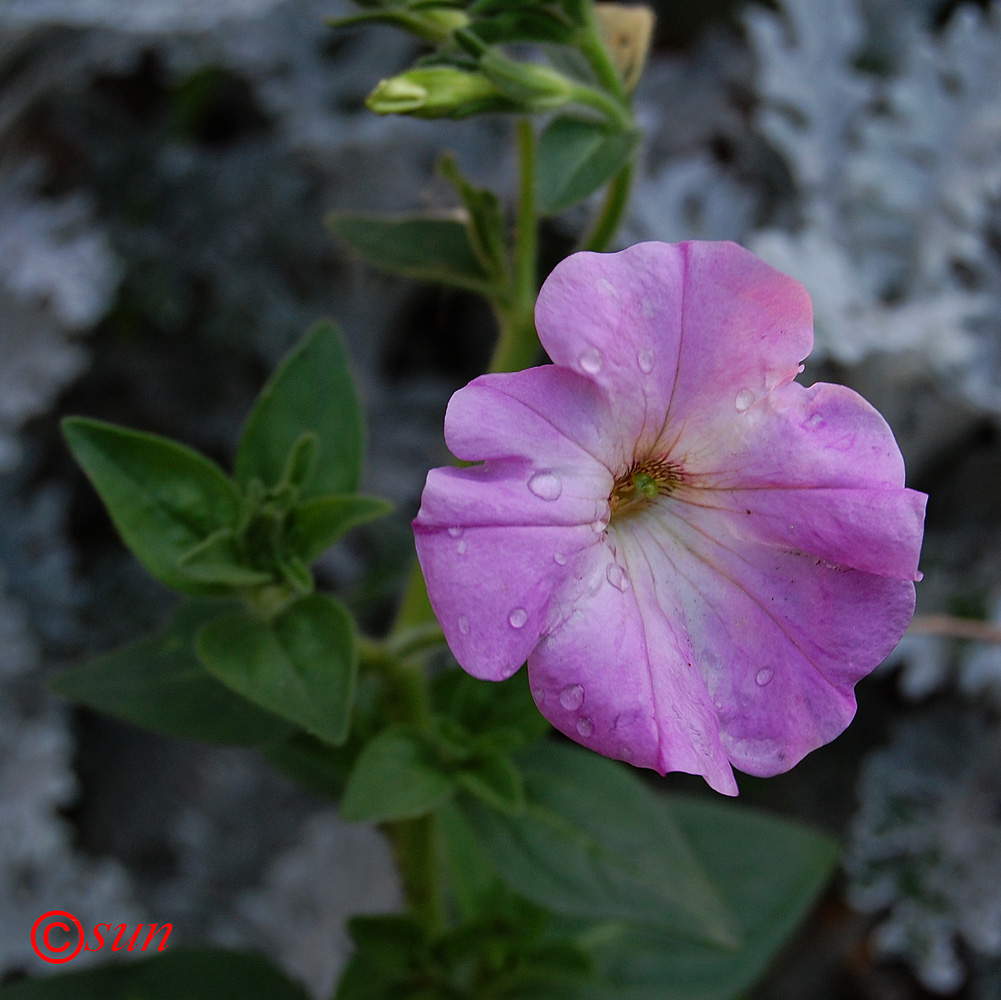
(533, 87)
(437, 92)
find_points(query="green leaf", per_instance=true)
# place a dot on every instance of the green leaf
(472, 879)
(301, 666)
(487, 233)
(421, 247)
(311, 393)
(576, 157)
(319, 767)
(524, 25)
(396, 777)
(769, 872)
(159, 683)
(494, 780)
(299, 464)
(500, 714)
(317, 524)
(218, 560)
(163, 498)
(594, 842)
(191, 973)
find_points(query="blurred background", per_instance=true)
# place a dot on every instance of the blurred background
(165, 169)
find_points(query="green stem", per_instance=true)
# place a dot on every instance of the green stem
(616, 200)
(517, 343)
(415, 629)
(526, 244)
(414, 841)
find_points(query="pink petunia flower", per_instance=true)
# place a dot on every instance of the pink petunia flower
(697, 556)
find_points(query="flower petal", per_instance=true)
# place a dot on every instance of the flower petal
(545, 413)
(656, 324)
(617, 674)
(495, 540)
(823, 435)
(780, 637)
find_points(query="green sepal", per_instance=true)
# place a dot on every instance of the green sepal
(159, 683)
(191, 973)
(576, 157)
(426, 248)
(487, 234)
(164, 498)
(594, 842)
(397, 776)
(218, 560)
(318, 523)
(302, 665)
(311, 394)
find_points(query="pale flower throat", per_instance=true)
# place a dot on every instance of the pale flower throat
(642, 484)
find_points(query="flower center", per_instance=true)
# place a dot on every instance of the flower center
(642, 484)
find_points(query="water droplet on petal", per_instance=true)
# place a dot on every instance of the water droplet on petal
(598, 526)
(591, 361)
(546, 485)
(455, 532)
(463, 624)
(616, 576)
(744, 399)
(517, 618)
(572, 697)
(814, 422)
(539, 694)
(461, 547)
(625, 753)
(763, 676)
(645, 360)
(559, 558)
(585, 727)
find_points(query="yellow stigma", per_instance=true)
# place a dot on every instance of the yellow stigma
(642, 484)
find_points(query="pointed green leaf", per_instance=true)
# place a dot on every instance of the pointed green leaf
(395, 778)
(300, 464)
(218, 560)
(163, 498)
(769, 871)
(576, 157)
(191, 973)
(594, 842)
(159, 683)
(301, 666)
(317, 524)
(421, 247)
(494, 780)
(487, 233)
(311, 393)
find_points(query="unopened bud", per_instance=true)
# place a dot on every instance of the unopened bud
(437, 92)
(533, 87)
